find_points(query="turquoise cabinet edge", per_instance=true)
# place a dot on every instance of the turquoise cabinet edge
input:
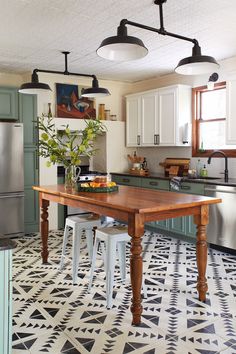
(184, 225)
(9, 103)
(5, 302)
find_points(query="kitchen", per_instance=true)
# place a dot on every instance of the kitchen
(134, 80)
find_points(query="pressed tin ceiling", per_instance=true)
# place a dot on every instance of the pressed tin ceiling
(33, 33)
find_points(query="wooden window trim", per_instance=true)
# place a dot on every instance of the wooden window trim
(196, 91)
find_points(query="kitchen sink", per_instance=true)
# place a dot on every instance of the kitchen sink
(206, 178)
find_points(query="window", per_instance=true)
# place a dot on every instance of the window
(209, 120)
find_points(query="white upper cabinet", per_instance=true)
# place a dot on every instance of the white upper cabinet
(159, 117)
(231, 112)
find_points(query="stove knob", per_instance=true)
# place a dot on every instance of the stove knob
(86, 178)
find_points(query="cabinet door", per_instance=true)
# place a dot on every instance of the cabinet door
(133, 121)
(31, 205)
(127, 180)
(8, 103)
(231, 113)
(28, 115)
(177, 225)
(167, 116)
(149, 119)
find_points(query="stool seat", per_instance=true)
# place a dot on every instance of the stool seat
(115, 237)
(79, 223)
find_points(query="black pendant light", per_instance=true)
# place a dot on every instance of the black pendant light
(197, 64)
(123, 47)
(35, 87)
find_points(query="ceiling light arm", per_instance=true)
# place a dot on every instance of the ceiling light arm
(122, 30)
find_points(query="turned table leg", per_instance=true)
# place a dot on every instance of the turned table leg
(136, 230)
(201, 221)
(44, 204)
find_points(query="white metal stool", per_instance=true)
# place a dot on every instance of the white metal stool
(113, 237)
(78, 223)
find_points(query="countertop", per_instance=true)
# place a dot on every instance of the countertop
(6, 244)
(216, 181)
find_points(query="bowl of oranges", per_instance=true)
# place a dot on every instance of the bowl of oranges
(100, 184)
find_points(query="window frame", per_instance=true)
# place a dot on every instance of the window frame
(196, 93)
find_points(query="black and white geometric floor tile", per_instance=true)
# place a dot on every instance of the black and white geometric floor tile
(51, 315)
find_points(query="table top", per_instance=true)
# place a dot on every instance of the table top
(132, 199)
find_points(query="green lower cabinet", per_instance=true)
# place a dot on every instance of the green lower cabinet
(190, 227)
(5, 299)
(177, 225)
(127, 180)
(162, 224)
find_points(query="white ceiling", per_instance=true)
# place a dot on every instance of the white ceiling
(34, 32)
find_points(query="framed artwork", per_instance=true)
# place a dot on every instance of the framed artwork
(70, 104)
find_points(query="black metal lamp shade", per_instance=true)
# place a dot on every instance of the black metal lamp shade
(122, 47)
(197, 64)
(95, 90)
(34, 87)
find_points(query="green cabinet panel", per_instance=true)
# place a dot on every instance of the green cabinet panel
(127, 180)
(155, 183)
(8, 103)
(28, 116)
(190, 227)
(5, 302)
(192, 188)
(177, 225)
(162, 224)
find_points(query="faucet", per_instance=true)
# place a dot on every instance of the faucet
(219, 152)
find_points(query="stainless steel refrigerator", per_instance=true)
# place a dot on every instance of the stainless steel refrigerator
(11, 179)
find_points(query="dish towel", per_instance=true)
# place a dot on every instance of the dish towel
(175, 183)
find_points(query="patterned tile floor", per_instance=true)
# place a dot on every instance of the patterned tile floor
(50, 315)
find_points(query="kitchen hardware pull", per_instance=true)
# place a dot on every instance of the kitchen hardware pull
(12, 196)
(36, 160)
(185, 187)
(138, 139)
(219, 190)
(155, 139)
(158, 139)
(125, 180)
(153, 183)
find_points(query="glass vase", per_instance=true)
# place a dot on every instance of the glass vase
(71, 176)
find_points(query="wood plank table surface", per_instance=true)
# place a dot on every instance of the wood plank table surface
(135, 206)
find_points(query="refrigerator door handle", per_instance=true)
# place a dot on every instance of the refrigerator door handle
(12, 195)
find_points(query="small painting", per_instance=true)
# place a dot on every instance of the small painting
(70, 104)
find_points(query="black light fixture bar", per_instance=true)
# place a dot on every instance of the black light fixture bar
(35, 85)
(124, 47)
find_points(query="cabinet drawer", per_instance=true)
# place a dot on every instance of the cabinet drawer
(155, 183)
(127, 180)
(192, 188)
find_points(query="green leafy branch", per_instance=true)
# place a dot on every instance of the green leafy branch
(65, 147)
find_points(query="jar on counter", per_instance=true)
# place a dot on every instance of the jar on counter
(101, 111)
(107, 114)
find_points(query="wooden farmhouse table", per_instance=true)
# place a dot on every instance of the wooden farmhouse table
(135, 206)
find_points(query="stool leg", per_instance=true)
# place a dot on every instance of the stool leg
(75, 252)
(122, 259)
(89, 239)
(110, 268)
(95, 249)
(65, 239)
